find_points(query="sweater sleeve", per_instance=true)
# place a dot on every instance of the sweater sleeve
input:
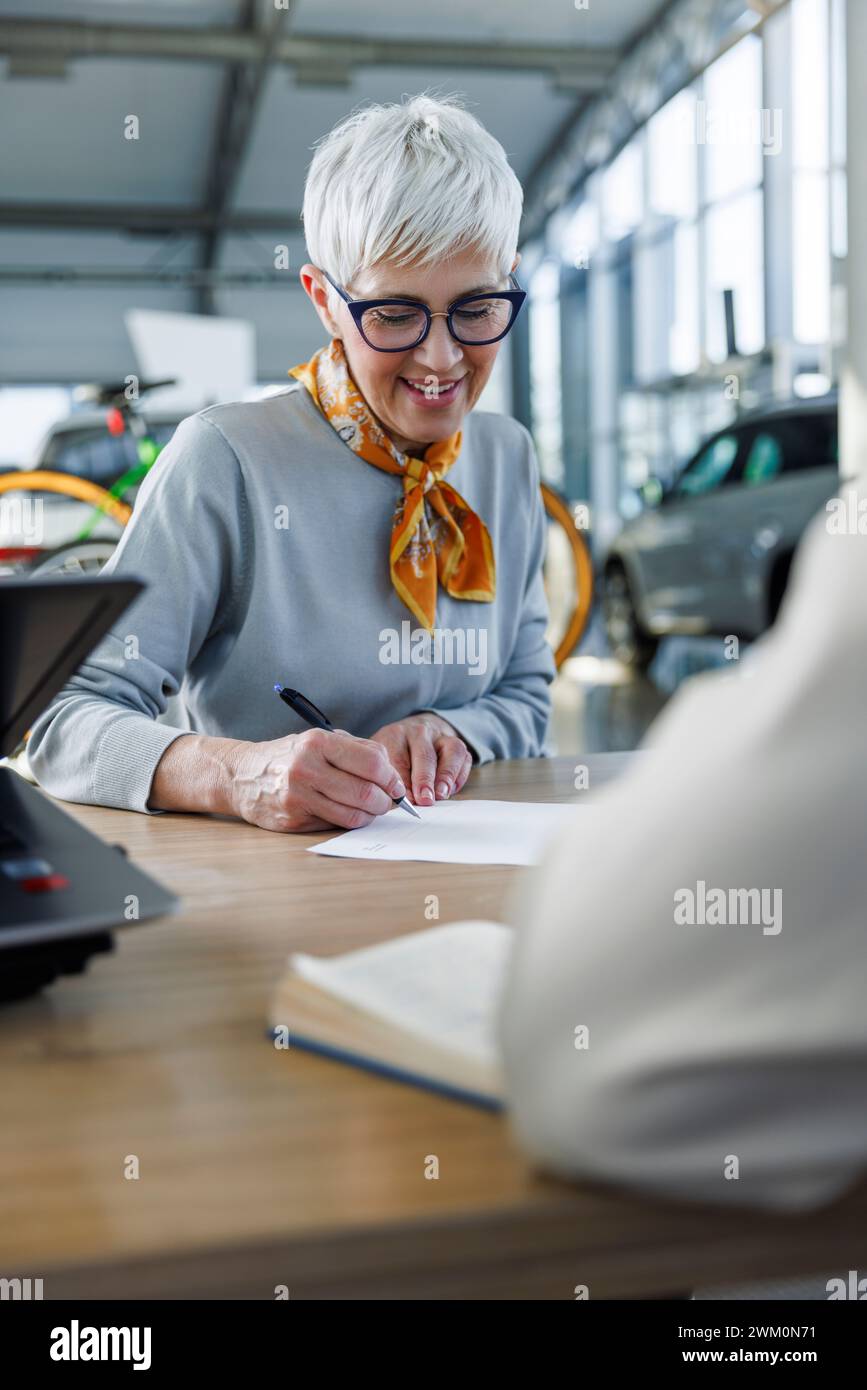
(714, 1053)
(100, 741)
(511, 721)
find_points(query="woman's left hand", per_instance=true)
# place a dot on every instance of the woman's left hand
(432, 760)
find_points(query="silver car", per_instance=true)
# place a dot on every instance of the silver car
(712, 553)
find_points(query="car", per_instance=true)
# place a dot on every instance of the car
(83, 446)
(711, 554)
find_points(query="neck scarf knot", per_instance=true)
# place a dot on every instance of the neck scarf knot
(436, 537)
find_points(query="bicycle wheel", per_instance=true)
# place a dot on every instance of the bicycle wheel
(568, 576)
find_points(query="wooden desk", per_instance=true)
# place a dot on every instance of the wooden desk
(261, 1168)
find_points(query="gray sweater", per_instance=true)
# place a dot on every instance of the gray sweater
(263, 540)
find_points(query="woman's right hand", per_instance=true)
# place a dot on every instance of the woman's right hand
(312, 781)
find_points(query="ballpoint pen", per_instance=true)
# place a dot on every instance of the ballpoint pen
(307, 711)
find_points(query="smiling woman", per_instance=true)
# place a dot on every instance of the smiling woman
(281, 539)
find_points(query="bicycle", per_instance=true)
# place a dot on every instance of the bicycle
(82, 555)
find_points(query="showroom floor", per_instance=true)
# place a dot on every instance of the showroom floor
(601, 706)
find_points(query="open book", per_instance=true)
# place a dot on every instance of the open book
(420, 1009)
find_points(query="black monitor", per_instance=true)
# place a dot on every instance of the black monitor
(47, 628)
(62, 889)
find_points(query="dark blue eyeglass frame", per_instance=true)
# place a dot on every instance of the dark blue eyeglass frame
(359, 307)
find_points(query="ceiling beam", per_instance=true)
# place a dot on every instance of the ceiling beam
(151, 276)
(145, 219)
(581, 69)
(243, 85)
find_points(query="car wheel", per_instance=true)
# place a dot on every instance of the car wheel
(627, 639)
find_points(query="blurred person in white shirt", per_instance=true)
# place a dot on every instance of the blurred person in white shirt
(721, 1062)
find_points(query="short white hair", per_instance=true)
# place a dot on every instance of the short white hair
(410, 183)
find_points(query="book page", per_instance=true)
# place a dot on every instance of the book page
(459, 832)
(441, 984)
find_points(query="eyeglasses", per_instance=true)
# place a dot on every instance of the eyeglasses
(396, 325)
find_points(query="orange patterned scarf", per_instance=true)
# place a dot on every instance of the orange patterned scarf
(435, 535)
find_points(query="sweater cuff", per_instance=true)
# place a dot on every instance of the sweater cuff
(126, 761)
(470, 725)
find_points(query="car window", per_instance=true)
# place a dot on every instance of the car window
(709, 469)
(790, 445)
(764, 460)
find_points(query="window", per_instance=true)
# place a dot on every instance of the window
(735, 261)
(736, 131)
(653, 276)
(837, 79)
(672, 165)
(811, 135)
(684, 345)
(545, 398)
(792, 445)
(666, 320)
(730, 121)
(710, 469)
(495, 396)
(622, 187)
(582, 236)
(764, 460)
(753, 149)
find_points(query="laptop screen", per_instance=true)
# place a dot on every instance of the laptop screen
(47, 628)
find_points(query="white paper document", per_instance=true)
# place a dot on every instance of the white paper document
(458, 832)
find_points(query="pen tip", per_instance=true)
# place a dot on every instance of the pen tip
(278, 688)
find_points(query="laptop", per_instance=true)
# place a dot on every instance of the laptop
(62, 889)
